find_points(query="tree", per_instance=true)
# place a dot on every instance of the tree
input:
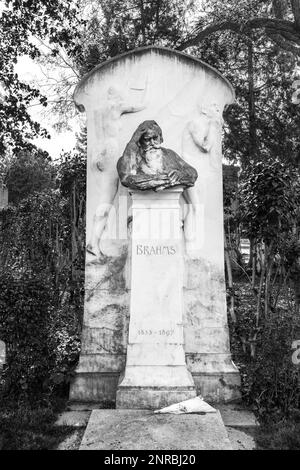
(270, 199)
(117, 26)
(21, 23)
(27, 173)
(279, 20)
(263, 121)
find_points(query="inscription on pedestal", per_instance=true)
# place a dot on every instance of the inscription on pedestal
(149, 250)
(155, 332)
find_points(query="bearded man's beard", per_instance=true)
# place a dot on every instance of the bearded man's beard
(153, 158)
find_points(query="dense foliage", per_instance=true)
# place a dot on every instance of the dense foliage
(278, 19)
(23, 25)
(27, 173)
(267, 316)
(42, 256)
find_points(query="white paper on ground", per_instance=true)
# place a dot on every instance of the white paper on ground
(193, 405)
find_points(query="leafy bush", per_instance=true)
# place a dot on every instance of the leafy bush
(24, 313)
(42, 345)
(270, 380)
(64, 344)
(283, 435)
(41, 282)
(266, 319)
(28, 172)
(273, 380)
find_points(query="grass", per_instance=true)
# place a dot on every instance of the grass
(31, 429)
(284, 435)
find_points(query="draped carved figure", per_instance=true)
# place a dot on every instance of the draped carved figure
(105, 160)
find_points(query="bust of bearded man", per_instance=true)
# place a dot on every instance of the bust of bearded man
(145, 164)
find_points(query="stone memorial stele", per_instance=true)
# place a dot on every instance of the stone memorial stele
(155, 327)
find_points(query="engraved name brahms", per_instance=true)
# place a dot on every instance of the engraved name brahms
(155, 250)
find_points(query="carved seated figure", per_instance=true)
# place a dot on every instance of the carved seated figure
(145, 164)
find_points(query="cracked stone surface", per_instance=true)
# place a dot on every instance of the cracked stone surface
(241, 439)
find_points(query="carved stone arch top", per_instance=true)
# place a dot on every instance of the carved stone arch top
(136, 57)
(149, 83)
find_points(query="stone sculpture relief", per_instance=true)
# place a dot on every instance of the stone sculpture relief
(104, 164)
(203, 128)
(200, 140)
(145, 164)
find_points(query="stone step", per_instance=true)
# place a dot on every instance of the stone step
(237, 415)
(73, 418)
(144, 430)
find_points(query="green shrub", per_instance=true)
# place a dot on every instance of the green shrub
(42, 345)
(64, 344)
(24, 313)
(270, 380)
(283, 435)
(41, 286)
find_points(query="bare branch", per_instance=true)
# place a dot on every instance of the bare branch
(275, 27)
(284, 44)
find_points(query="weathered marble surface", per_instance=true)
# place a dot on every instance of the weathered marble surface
(206, 332)
(186, 98)
(105, 332)
(143, 430)
(155, 364)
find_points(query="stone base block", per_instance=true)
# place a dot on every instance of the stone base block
(152, 398)
(116, 430)
(101, 387)
(218, 388)
(92, 387)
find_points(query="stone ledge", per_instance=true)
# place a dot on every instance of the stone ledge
(143, 430)
(236, 415)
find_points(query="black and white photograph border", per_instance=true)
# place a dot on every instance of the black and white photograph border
(150, 227)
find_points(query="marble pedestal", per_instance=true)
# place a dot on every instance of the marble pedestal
(155, 374)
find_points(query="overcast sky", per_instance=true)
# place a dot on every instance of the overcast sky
(33, 74)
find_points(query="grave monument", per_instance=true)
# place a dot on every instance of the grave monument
(155, 324)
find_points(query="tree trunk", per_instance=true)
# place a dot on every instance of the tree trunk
(269, 259)
(143, 22)
(260, 290)
(253, 266)
(251, 103)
